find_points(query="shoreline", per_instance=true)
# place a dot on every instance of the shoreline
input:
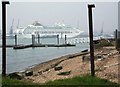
(54, 62)
(106, 66)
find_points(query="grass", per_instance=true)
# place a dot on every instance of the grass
(7, 82)
(78, 81)
(84, 80)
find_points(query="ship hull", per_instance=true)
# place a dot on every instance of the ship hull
(49, 35)
(44, 31)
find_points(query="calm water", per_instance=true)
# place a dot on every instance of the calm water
(19, 60)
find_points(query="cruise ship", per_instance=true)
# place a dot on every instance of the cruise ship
(45, 31)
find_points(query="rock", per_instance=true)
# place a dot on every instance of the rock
(64, 73)
(85, 58)
(84, 51)
(45, 69)
(16, 75)
(28, 73)
(99, 59)
(58, 68)
(104, 54)
(40, 72)
(99, 56)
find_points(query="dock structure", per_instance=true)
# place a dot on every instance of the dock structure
(42, 45)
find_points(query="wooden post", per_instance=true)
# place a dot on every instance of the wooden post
(116, 32)
(65, 39)
(38, 39)
(57, 39)
(15, 40)
(118, 40)
(33, 39)
(4, 37)
(91, 39)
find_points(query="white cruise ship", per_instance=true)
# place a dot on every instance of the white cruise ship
(44, 31)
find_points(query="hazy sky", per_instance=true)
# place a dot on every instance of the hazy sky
(71, 13)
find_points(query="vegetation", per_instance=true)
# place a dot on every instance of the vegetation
(64, 73)
(78, 81)
(8, 82)
(84, 80)
(104, 42)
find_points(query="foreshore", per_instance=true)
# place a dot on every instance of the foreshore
(106, 66)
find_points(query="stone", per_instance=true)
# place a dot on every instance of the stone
(85, 58)
(85, 50)
(29, 73)
(99, 56)
(64, 73)
(58, 68)
(16, 75)
(40, 72)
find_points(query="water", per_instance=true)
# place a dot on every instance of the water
(19, 60)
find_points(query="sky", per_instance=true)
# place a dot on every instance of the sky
(105, 14)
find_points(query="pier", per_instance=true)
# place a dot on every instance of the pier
(22, 46)
(41, 45)
(37, 42)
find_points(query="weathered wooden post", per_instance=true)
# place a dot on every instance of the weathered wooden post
(38, 39)
(57, 39)
(4, 37)
(65, 39)
(15, 40)
(116, 32)
(118, 40)
(91, 38)
(33, 39)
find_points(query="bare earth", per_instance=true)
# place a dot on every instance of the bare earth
(106, 66)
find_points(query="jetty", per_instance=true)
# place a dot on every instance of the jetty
(38, 45)
(42, 45)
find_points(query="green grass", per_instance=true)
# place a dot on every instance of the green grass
(84, 80)
(7, 82)
(78, 81)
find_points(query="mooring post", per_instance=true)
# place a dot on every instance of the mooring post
(57, 39)
(38, 39)
(116, 44)
(91, 39)
(65, 39)
(4, 37)
(118, 40)
(33, 39)
(15, 40)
